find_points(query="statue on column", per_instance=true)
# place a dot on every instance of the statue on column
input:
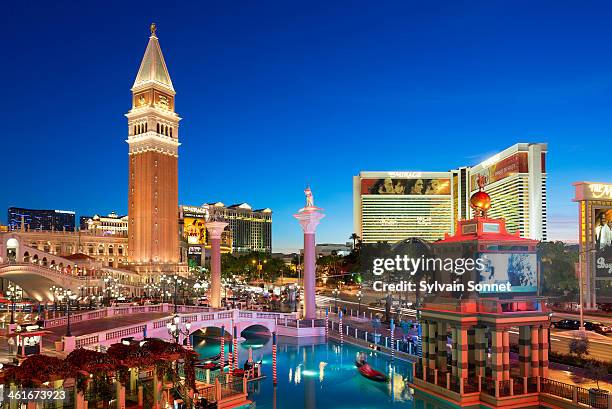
(309, 197)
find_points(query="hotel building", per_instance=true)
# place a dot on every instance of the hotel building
(39, 219)
(248, 229)
(516, 182)
(395, 205)
(113, 224)
(392, 206)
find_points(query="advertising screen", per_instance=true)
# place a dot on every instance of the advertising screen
(397, 186)
(520, 270)
(194, 230)
(517, 163)
(602, 237)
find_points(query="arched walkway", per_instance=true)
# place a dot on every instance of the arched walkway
(255, 331)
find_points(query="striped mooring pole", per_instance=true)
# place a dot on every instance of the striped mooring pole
(392, 327)
(222, 347)
(326, 322)
(274, 358)
(340, 328)
(235, 347)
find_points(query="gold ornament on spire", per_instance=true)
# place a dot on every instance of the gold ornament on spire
(480, 201)
(153, 29)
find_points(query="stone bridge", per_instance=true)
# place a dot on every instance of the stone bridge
(283, 324)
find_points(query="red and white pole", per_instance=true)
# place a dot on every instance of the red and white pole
(274, 358)
(235, 347)
(222, 347)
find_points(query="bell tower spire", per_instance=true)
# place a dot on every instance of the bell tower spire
(153, 164)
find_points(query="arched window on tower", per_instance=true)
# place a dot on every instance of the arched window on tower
(158, 127)
(134, 129)
(146, 126)
(166, 130)
(171, 132)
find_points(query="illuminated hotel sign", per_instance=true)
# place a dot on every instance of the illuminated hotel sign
(600, 191)
(405, 174)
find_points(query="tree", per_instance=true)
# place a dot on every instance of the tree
(558, 263)
(597, 371)
(579, 346)
(354, 237)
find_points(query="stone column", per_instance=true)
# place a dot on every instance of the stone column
(441, 357)
(543, 341)
(454, 351)
(424, 344)
(471, 347)
(481, 348)
(525, 351)
(535, 351)
(214, 230)
(309, 218)
(506, 354)
(433, 335)
(497, 349)
(462, 353)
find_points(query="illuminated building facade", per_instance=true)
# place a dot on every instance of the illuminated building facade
(391, 206)
(595, 240)
(39, 219)
(395, 205)
(248, 229)
(153, 160)
(516, 181)
(112, 224)
(108, 250)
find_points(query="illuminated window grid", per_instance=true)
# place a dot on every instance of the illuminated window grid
(394, 218)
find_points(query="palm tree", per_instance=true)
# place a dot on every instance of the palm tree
(354, 237)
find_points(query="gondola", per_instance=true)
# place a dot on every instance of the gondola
(368, 372)
(213, 366)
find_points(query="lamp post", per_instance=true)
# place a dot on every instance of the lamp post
(174, 328)
(336, 292)
(12, 293)
(177, 282)
(70, 297)
(359, 295)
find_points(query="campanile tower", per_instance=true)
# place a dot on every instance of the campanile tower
(153, 165)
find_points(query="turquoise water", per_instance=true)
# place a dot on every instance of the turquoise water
(320, 375)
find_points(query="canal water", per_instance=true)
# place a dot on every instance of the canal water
(318, 374)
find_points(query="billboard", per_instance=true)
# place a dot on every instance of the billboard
(194, 230)
(500, 169)
(602, 238)
(518, 269)
(400, 186)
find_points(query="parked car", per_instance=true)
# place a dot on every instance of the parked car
(597, 327)
(567, 324)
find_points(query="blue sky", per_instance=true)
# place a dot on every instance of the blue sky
(277, 95)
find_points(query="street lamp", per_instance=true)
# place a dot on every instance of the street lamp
(12, 293)
(174, 328)
(336, 292)
(70, 297)
(359, 295)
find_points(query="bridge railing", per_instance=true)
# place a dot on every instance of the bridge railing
(116, 334)
(119, 311)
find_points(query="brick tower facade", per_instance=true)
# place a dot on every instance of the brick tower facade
(153, 244)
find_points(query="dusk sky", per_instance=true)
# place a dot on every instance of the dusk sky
(278, 95)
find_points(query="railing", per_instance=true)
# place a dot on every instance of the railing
(107, 312)
(232, 386)
(408, 346)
